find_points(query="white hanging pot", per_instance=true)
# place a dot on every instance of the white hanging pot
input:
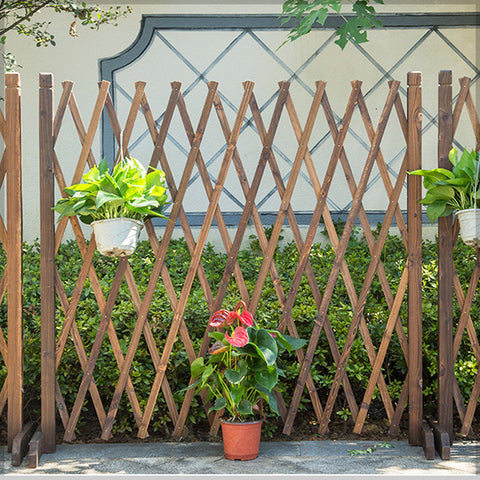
(117, 237)
(470, 226)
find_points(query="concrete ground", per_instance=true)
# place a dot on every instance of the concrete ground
(279, 459)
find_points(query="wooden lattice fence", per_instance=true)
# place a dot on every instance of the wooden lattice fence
(408, 126)
(452, 332)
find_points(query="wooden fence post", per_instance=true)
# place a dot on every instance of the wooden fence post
(414, 187)
(445, 264)
(14, 255)
(47, 262)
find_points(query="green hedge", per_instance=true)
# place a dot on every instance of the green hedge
(268, 313)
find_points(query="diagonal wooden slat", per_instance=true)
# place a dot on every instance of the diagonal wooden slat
(102, 329)
(285, 201)
(250, 200)
(156, 270)
(317, 214)
(371, 242)
(375, 255)
(213, 206)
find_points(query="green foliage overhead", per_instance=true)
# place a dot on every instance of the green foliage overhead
(447, 190)
(128, 192)
(19, 16)
(307, 12)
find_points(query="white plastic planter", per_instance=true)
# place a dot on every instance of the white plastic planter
(470, 226)
(117, 237)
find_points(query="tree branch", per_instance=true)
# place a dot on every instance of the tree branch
(3, 31)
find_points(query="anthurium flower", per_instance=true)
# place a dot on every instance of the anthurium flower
(246, 318)
(239, 337)
(218, 319)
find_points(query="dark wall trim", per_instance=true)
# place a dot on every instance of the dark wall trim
(232, 219)
(150, 23)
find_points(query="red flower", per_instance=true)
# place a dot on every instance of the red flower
(231, 317)
(239, 337)
(246, 318)
(218, 319)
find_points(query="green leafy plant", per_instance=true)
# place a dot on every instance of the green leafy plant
(241, 370)
(308, 12)
(129, 192)
(447, 190)
(371, 449)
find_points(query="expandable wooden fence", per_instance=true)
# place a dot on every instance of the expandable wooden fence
(405, 291)
(453, 331)
(11, 347)
(409, 122)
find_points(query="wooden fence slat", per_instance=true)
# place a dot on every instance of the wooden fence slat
(414, 186)
(445, 262)
(47, 263)
(371, 243)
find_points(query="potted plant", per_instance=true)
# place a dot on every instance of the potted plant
(240, 373)
(455, 191)
(116, 204)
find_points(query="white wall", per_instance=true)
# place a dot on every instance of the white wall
(77, 59)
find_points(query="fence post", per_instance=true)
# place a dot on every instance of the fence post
(14, 255)
(47, 262)
(445, 264)
(414, 217)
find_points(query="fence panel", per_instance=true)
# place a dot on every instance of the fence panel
(124, 346)
(455, 299)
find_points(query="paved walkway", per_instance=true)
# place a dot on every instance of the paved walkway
(292, 459)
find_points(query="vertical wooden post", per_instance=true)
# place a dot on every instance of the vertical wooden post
(445, 264)
(47, 262)
(414, 216)
(14, 255)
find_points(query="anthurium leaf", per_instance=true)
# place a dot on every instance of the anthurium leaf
(257, 364)
(245, 407)
(267, 378)
(267, 346)
(197, 367)
(234, 376)
(216, 335)
(218, 405)
(237, 391)
(269, 397)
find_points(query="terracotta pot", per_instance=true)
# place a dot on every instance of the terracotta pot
(241, 441)
(470, 226)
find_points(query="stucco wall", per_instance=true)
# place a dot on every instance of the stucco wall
(77, 59)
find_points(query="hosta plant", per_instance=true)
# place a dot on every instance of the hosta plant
(129, 191)
(241, 369)
(448, 191)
